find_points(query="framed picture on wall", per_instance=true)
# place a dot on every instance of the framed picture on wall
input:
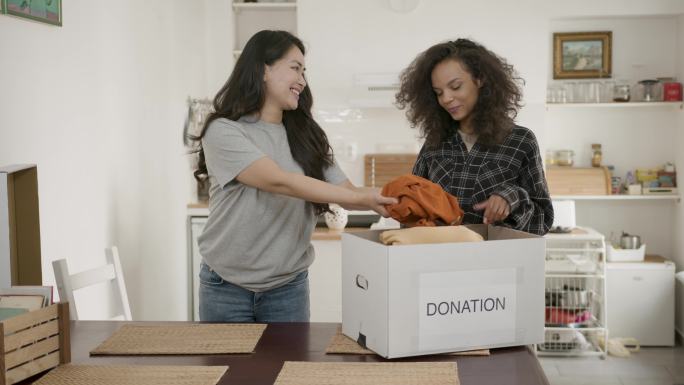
(582, 55)
(45, 11)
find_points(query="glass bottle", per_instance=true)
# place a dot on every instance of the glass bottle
(597, 155)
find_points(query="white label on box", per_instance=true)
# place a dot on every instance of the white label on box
(466, 308)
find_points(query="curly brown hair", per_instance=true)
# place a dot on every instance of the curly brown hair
(497, 105)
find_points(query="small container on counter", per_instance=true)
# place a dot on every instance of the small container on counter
(597, 155)
(672, 91)
(565, 158)
(621, 93)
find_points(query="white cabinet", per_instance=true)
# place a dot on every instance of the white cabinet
(641, 301)
(325, 285)
(325, 282)
(195, 227)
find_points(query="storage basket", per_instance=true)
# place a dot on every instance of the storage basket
(34, 342)
(625, 255)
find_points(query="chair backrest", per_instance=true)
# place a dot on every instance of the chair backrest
(67, 283)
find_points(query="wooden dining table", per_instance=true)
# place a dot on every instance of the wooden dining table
(282, 342)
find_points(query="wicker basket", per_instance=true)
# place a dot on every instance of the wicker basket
(34, 342)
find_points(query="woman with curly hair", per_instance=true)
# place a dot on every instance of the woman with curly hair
(464, 99)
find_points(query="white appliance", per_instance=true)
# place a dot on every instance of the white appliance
(374, 89)
(195, 228)
(640, 300)
(679, 318)
(564, 213)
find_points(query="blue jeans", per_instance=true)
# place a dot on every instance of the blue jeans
(221, 301)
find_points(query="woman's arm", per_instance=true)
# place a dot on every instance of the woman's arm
(349, 186)
(530, 204)
(266, 175)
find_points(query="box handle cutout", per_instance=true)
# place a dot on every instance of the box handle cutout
(362, 341)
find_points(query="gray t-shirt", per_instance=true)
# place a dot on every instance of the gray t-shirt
(254, 239)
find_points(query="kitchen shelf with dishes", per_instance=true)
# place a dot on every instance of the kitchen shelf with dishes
(575, 294)
(617, 197)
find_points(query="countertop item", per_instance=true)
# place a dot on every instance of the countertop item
(304, 342)
(578, 181)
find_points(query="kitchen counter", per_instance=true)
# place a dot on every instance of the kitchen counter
(326, 234)
(320, 233)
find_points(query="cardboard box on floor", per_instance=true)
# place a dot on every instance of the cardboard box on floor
(411, 300)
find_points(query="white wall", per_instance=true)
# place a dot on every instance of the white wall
(98, 104)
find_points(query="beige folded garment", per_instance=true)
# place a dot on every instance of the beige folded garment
(439, 234)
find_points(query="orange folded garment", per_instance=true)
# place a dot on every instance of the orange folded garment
(421, 202)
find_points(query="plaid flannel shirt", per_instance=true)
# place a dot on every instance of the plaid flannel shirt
(512, 170)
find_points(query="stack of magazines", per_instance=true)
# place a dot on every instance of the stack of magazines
(17, 300)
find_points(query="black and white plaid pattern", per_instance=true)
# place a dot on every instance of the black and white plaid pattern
(512, 170)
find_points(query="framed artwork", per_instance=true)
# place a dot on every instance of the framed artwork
(45, 11)
(582, 55)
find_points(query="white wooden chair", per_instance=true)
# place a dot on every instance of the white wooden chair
(112, 273)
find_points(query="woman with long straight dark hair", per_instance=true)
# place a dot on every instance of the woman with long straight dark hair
(271, 172)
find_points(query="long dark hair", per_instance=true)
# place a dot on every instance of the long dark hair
(244, 94)
(498, 100)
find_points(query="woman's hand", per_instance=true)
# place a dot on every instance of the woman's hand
(368, 198)
(376, 202)
(495, 209)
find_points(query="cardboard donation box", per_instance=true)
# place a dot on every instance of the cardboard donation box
(409, 300)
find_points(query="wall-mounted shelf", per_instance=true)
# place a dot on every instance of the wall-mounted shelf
(679, 105)
(263, 6)
(675, 197)
(250, 18)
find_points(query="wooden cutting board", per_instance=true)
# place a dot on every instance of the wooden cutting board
(382, 168)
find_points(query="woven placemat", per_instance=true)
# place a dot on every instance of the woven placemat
(182, 339)
(132, 375)
(341, 344)
(368, 373)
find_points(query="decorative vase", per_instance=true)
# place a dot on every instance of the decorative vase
(337, 219)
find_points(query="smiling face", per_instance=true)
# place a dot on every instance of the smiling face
(285, 81)
(456, 90)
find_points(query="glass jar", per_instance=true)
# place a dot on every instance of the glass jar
(649, 90)
(565, 157)
(596, 155)
(621, 93)
(550, 157)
